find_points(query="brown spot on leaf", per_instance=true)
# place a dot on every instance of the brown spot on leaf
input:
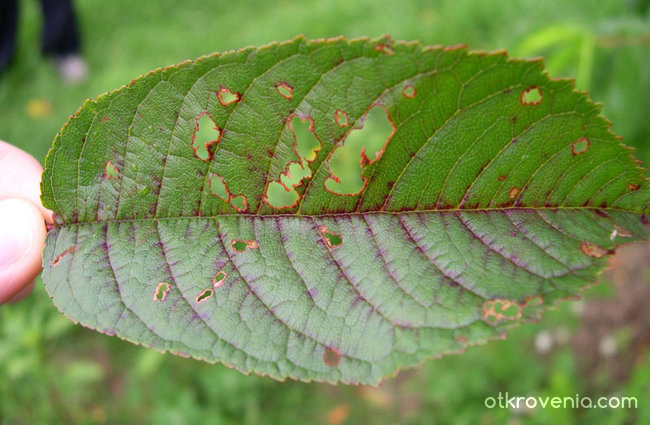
(594, 250)
(332, 357)
(580, 146)
(513, 193)
(59, 257)
(384, 48)
(284, 90)
(531, 96)
(633, 187)
(161, 291)
(502, 178)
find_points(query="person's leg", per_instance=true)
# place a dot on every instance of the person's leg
(61, 39)
(60, 33)
(8, 27)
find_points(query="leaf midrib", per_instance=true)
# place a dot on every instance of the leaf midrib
(356, 214)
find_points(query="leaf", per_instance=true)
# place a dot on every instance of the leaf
(191, 220)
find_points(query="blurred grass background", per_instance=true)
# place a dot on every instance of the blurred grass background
(52, 371)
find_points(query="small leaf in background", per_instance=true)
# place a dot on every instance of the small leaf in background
(39, 108)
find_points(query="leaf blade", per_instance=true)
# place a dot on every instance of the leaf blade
(426, 251)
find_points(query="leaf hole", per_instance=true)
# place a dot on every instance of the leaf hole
(110, 171)
(206, 136)
(282, 193)
(218, 188)
(239, 203)
(227, 97)
(219, 279)
(161, 291)
(332, 357)
(363, 145)
(206, 294)
(284, 90)
(531, 96)
(331, 239)
(240, 245)
(580, 146)
(341, 118)
(409, 91)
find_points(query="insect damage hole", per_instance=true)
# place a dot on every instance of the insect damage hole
(204, 295)
(580, 146)
(161, 291)
(332, 357)
(531, 96)
(110, 171)
(206, 136)
(282, 193)
(219, 189)
(498, 310)
(364, 145)
(409, 91)
(331, 239)
(240, 245)
(227, 97)
(341, 118)
(284, 90)
(219, 279)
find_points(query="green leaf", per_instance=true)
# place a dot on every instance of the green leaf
(333, 210)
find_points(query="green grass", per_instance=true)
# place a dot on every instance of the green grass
(52, 371)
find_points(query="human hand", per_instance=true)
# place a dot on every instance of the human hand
(22, 222)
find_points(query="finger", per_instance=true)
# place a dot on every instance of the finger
(22, 293)
(20, 177)
(22, 238)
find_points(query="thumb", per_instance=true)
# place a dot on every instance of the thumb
(22, 238)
